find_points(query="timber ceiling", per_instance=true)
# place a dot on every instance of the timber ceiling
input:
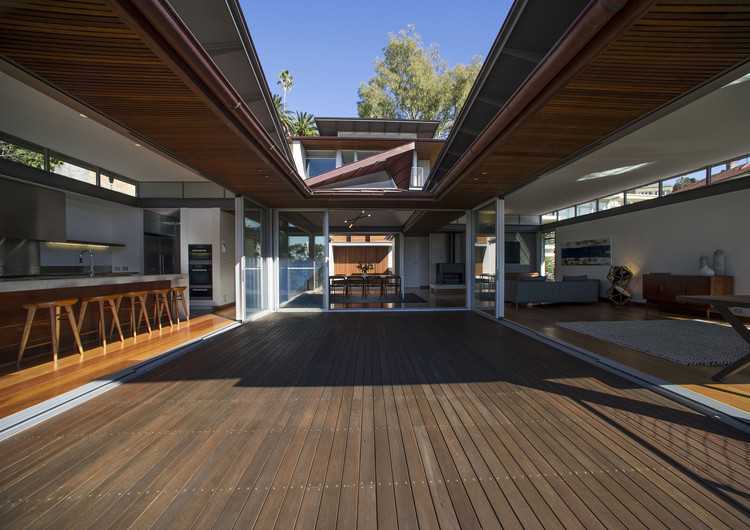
(130, 62)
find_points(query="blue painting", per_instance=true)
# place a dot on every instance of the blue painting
(587, 252)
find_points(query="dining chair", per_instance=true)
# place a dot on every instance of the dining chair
(375, 282)
(338, 281)
(392, 281)
(356, 282)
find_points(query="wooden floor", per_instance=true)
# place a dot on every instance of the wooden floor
(734, 391)
(409, 420)
(38, 380)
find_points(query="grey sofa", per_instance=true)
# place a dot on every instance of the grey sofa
(538, 290)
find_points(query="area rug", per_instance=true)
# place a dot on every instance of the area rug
(689, 342)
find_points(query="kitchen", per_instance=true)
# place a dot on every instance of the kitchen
(56, 245)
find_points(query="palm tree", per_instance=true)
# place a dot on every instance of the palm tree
(285, 116)
(287, 82)
(303, 124)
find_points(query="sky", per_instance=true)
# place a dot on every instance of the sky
(329, 46)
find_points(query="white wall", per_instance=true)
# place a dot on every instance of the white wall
(211, 226)
(225, 250)
(416, 261)
(670, 239)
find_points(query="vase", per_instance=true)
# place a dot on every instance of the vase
(719, 266)
(706, 271)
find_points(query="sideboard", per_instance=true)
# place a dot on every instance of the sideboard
(664, 288)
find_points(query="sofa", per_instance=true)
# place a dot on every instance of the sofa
(536, 289)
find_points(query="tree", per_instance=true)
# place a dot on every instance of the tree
(683, 182)
(287, 82)
(303, 124)
(285, 116)
(15, 153)
(415, 83)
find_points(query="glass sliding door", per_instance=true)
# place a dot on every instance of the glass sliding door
(254, 273)
(485, 258)
(302, 260)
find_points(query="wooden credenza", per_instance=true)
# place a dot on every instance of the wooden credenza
(664, 289)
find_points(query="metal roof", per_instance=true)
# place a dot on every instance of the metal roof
(332, 126)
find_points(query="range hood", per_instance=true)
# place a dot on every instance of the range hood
(31, 212)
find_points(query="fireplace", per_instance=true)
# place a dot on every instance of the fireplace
(450, 273)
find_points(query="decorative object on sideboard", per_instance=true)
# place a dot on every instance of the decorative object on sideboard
(719, 264)
(619, 291)
(703, 268)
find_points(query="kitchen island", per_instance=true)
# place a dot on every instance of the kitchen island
(16, 292)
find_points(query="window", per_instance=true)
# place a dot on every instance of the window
(696, 179)
(566, 213)
(548, 255)
(549, 218)
(22, 154)
(74, 170)
(586, 208)
(120, 185)
(613, 201)
(642, 193)
(319, 162)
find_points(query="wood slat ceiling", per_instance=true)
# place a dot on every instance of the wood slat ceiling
(675, 47)
(87, 51)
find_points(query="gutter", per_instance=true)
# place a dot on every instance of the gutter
(157, 24)
(582, 42)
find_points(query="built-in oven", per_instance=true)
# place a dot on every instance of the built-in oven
(201, 293)
(200, 272)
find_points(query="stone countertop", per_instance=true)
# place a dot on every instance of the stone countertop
(48, 282)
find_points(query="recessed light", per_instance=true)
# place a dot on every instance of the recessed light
(82, 115)
(137, 145)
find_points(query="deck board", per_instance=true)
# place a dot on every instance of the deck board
(349, 420)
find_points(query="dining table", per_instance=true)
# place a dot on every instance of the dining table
(723, 303)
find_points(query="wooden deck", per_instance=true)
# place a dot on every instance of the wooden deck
(39, 379)
(440, 419)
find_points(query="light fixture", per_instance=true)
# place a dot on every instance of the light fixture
(352, 221)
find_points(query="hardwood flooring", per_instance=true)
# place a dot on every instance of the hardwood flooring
(408, 420)
(39, 379)
(735, 391)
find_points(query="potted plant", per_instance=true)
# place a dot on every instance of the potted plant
(365, 267)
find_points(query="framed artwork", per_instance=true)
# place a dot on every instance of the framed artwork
(587, 252)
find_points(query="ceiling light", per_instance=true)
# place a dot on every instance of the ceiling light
(354, 220)
(612, 172)
(137, 145)
(82, 115)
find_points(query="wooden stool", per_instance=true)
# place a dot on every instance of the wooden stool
(137, 300)
(178, 295)
(161, 304)
(111, 300)
(54, 318)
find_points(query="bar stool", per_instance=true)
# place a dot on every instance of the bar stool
(161, 304)
(54, 317)
(178, 295)
(137, 300)
(110, 299)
